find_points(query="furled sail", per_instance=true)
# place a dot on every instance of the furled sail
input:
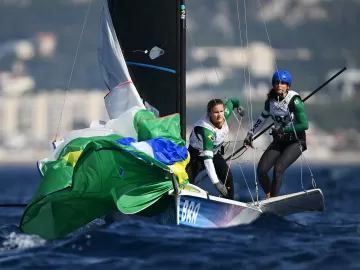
(122, 92)
(126, 163)
(94, 171)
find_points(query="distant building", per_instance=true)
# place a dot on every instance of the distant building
(43, 116)
(346, 86)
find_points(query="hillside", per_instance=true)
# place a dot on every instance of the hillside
(211, 22)
(327, 29)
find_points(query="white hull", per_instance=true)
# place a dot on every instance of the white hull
(285, 205)
(194, 207)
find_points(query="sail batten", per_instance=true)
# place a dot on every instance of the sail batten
(151, 66)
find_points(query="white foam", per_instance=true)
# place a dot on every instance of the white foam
(21, 241)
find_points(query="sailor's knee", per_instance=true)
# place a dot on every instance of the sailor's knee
(279, 168)
(261, 170)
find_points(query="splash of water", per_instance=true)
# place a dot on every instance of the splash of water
(21, 241)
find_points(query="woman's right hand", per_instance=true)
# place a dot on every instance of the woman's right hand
(248, 140)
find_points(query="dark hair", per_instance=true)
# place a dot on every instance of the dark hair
(212, 103)
(271, 94)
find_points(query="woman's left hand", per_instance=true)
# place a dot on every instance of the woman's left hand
(241, 111)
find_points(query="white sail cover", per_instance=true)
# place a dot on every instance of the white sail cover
(123, 94)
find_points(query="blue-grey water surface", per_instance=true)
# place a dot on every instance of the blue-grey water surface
(328, 240)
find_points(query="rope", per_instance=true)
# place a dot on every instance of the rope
(72, 70)
(291, 120)
(247, 83)
(211, 90)
(237, 134)
(242, 172)
(197, 53)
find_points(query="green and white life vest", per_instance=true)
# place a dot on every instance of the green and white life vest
(288, 113)
(206, 138)
(279, 110)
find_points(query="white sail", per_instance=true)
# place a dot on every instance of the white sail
(123, 94)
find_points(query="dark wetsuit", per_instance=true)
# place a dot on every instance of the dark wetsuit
(286, 148)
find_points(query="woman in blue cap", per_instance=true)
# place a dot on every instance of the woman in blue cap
(289, 138)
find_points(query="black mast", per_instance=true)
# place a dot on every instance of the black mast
(159, 25)
(182, 65)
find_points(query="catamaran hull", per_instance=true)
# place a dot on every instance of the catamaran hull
(213, 213)
(290, 204)
(198, 209)
(195, 209)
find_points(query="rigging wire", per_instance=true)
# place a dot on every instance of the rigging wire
(247, 84)
(211, 90)
(249, 97)
(290, 115)
(72, 69)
